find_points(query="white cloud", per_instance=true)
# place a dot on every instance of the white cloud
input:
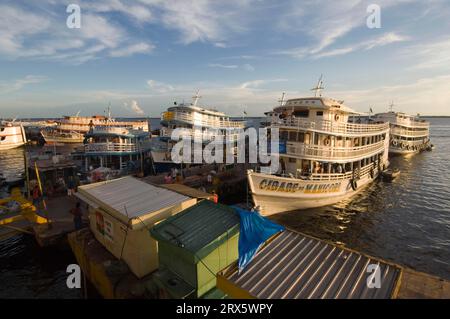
(19, 84)
(246, 67)
(223, 66)
(160, 87)
(136, 12)
(44, 35)
(326, 22)
(428, 95)
(133, 49)
(134, 107)
(434, 54)
(255, 84)
(383, 40)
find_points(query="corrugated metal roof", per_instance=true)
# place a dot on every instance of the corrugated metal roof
(130, 197)
(296, 266)
(199, 225)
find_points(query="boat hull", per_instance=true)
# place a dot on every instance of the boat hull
(307, 194)
(4, 147)
(12, 136)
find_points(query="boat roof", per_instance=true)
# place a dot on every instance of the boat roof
(116, 131)
(316, 103)
(197, 109)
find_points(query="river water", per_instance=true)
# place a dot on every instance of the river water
(406, 221)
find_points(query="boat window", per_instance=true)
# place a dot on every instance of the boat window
(319, 113)
(292, 136)
(3, 138)
(304, 113)
(284, 135)
(301, 137)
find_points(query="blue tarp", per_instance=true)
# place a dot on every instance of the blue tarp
(254, 231)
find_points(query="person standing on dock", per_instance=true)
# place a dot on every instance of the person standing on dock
(71, 186)
(77, 216)
(36, 197)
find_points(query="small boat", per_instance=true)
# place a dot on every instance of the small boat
(390, 174)
(430, 147)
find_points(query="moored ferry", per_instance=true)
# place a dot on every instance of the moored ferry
(113, 147)
(12, 135)
(71, 129)
(326, 155)
(408, 135)
(197, 122)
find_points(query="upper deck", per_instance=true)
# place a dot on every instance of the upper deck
(195, 116)
(83, 124)
(402, 119)
(322, 115)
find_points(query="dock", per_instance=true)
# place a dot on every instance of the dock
(60, 221)
(20, 220)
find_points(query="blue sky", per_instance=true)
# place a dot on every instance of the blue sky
(240, 54)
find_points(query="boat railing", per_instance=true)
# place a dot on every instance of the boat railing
(201, 120)
(205, 136)
(320, 152)
(116, 147)
(85, 127)
(359, 173)
(418, 133)
(331, 126)
(411, 143)
(412, 123)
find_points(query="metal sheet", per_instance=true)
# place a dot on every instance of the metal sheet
(296, 266)
(130, 197)
(198, 226)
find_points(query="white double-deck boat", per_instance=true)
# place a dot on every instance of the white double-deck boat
(71, 129)
(116, 148)
(324, 157)
(409, 134)
(197, 122)
(12, 135)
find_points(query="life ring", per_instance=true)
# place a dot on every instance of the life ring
(403, 145)
(408, 147)
(327, 141)
(372, 173)
(336, 117)
(354, 184)
(395, 143)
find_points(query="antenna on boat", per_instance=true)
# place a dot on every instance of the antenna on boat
(195, 98)
(282, 99)
(318, 87)
(391, 106)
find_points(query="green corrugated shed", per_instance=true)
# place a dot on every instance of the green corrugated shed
(198, 242)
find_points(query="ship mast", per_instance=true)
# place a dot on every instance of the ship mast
(195, 98)
(282, 99)
(318, 87)
(391, 106)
